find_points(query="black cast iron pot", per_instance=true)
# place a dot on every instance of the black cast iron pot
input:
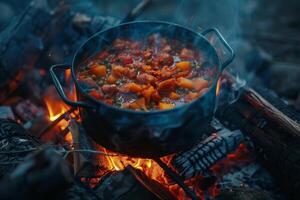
(138, 133)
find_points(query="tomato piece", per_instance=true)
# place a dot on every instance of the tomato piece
(109, 101)
(165, 106)
(125, 59)
(183, 66)
(155, 96)
(96, 94)
(185, 83)
(131, 87)
(98, 70)
(174, 96)
(167, 85)
(200, 84)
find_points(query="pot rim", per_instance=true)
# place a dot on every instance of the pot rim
(151, 112)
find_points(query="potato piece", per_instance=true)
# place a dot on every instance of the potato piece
(165, 106)
(138, 104)
(191, 96)
(131, 87)
(98, 70)
(167, 85)
(183, 66)
(111, 79)
(174, 96)
(185, 83)
(147, 93)
(200, 84)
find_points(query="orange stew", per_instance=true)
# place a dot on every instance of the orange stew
(145, 75)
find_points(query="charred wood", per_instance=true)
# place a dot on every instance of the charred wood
(198, 160)
(276, 136)
(15, 144)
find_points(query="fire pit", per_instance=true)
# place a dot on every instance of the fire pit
(249, 147)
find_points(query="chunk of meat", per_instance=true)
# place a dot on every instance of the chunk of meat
(109, 89)
(145, 78)
(125, 59)
(165, 59)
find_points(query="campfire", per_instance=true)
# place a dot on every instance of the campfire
(250, 147)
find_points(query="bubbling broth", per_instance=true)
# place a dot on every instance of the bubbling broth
(154, 74)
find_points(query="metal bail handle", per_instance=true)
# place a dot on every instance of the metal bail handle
(224, 42)
(60, 89)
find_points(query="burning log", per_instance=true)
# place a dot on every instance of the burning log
(276, 136)
(15, 143)
(135, 185)
(198, 160)
(43, 175)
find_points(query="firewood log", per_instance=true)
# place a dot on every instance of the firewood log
(276, 136)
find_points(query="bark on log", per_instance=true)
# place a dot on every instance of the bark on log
(276, 136)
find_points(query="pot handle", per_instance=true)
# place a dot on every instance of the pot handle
(224, 42)
(60, 89)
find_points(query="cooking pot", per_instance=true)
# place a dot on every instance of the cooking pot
(139, 133)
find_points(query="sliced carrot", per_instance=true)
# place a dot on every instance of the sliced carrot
(200, 84)
(131, 87)
(167, 85)
(138, 104)
(185, 83)
(147, 93)
(111, 79)
(98, 70)
(165, 106)
(174, 96)
(183, 65)
(146, 68)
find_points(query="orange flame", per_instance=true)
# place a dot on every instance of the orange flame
(56, 107)
(219, 83)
